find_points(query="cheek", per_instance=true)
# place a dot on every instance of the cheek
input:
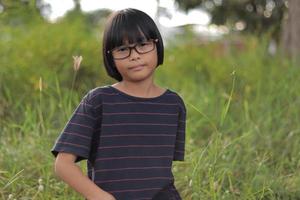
(119, 65)
(152, 58)
(155, 58)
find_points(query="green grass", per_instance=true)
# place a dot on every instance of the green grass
(243, 128)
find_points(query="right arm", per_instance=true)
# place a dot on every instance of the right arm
(69, 172)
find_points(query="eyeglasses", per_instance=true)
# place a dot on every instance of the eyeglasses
(124, 51)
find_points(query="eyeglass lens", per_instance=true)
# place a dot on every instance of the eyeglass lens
(140, 47)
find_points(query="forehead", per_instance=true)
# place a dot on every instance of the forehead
(128, 31)
(128, 42)
(128, 36)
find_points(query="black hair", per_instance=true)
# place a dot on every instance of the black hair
(132, 25)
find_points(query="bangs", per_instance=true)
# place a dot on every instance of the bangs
(125, 30)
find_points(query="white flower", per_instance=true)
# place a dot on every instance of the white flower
(41, 84)
(77, 60)
(41, 188)
(190, 183)
(10, 196)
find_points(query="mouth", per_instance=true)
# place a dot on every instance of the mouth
(137, 67)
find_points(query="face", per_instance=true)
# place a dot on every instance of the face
(138, 66)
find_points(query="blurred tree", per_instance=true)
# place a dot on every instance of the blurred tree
(255, 16)
(279, 17)
(23, 12)
(77, 5)
(98, 18)
(75, 13)
(291, 30)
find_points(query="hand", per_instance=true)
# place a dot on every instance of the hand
(107, 196)
(110, 197)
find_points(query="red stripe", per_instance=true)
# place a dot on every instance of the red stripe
(131, 168)
(138, 124)
(96, 107)
(165, 104)
(139, 113)
(133, 157)
(141, 135)
(72, 144)
(137, 179)
(83, 114)
(83, 103)
(137, 190)
(127, 146)
(77, 134)
(102, 93)
(81, 125)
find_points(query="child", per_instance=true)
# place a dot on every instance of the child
(131, 131)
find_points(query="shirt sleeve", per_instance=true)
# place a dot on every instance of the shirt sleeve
(180, 136)
(76, 137)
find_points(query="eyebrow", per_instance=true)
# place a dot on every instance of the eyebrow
(138, 41)
(140, 38)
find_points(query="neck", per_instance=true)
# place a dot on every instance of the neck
(143, 88)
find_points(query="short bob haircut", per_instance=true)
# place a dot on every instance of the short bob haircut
(128, 25)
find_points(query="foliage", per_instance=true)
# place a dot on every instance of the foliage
(258, 16)
(46, 50)
(22, 13)
(242, 128)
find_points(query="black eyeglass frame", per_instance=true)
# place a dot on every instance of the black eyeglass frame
(134, 47)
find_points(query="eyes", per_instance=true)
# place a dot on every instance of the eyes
(120, 49)
(142, 47)
(139, 45)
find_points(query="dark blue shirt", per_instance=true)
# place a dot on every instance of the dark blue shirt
(129, 142)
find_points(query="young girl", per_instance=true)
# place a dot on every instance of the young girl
(131, 131)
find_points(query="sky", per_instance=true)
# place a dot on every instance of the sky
(167, 24)
(176, 18)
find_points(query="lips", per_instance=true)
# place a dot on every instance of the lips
(138, 67)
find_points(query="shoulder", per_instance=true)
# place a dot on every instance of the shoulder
(95, 95)
(179, 99)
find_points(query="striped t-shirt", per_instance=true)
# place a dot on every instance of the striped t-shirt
(129, 142)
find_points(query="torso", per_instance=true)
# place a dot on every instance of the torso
(129, 141)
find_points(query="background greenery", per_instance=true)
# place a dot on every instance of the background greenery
(242, 104)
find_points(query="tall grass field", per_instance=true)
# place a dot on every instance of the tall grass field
(243, 130)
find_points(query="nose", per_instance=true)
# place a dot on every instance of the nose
(134, 54)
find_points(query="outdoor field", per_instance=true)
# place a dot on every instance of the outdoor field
(242, 128)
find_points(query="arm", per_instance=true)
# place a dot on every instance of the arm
(69, 172)
(180, 136)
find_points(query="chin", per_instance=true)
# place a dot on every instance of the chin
(139, 77)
